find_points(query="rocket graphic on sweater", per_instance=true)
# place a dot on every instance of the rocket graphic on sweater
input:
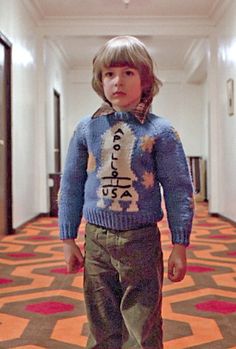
(115, 173)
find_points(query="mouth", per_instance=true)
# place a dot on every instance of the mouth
(119, 93)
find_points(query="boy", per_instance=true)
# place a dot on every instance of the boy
(116, 162)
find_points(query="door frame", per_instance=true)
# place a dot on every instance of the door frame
(57, 130)
(8, 122)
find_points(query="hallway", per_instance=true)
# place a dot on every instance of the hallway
(46, 51)
(41, 306)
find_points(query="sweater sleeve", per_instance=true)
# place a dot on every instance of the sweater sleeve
(174, 176)
(71, 195)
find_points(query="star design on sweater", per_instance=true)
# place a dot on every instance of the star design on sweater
(91, 166)
(177, 137)
(148, 179)
(147, 143)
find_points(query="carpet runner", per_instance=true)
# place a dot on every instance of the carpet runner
(41, 306)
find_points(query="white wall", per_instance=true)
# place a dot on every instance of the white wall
(82, 99)
(182, 104)
(30, 108)
(223, 47)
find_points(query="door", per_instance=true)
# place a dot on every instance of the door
(5, 138)
(57, 132)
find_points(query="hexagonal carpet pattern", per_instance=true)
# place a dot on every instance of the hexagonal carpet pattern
(41, 306)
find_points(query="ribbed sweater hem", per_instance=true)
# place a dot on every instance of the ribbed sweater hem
(120, 221)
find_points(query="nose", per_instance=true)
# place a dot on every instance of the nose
(118, 80)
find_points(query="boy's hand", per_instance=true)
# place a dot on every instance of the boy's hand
(73, 256)
(177, 263)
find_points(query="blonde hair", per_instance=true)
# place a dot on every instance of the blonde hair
(126, 50)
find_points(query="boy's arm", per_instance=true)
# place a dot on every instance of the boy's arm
(177, 263)
(174, 176)
(71, 198)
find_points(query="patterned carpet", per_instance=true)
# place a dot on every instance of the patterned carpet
(41, 306)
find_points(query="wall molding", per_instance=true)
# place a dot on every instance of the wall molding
(219, 10)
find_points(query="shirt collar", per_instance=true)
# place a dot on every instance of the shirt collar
(140, 111)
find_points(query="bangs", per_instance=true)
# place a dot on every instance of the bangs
(118, 56)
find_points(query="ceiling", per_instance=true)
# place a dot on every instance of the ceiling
(171, 29)
(168, 54)
(173, 8)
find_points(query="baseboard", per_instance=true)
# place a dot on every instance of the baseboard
(228, 220)
(31, 220)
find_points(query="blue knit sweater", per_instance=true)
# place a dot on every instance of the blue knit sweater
(114, 171)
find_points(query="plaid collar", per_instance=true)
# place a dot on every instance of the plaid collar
(140, 112)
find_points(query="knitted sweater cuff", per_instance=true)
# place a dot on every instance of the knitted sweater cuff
(180, 236)
(68, 231)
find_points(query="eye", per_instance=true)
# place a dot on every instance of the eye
(129, 72)
(108, 74)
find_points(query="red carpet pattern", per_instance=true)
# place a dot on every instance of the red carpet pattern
(41, 306)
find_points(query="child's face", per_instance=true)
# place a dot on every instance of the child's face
(122, 87)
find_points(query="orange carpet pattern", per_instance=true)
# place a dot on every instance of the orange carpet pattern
(41, 306)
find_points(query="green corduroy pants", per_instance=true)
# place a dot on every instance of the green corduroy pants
(123, 280)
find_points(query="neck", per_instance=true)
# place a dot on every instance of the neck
(128, 107)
